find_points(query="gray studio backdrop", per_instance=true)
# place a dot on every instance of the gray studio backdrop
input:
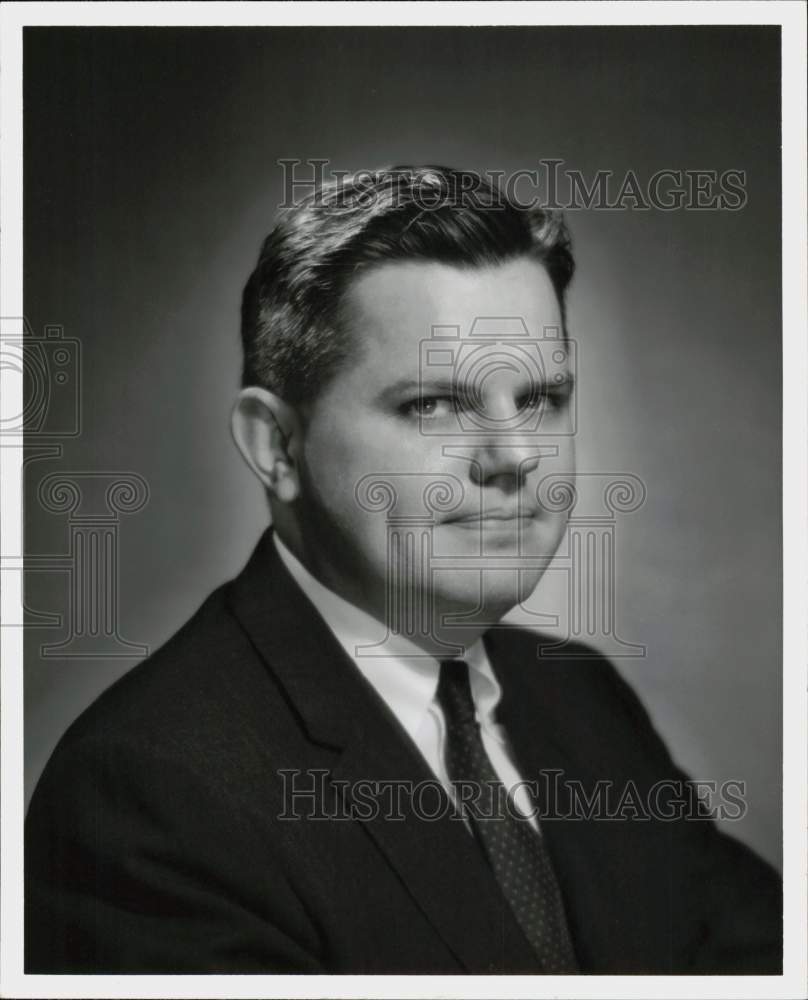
(151, 177)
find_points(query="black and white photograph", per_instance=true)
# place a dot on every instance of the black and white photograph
(404, 497)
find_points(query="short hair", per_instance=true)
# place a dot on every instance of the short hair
(291, 333)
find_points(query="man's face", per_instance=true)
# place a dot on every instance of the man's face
(479, 413)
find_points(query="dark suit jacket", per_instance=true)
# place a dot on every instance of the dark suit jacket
(153, 841)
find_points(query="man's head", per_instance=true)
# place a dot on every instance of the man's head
(408, 325)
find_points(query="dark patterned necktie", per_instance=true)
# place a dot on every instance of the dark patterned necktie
(514, 850)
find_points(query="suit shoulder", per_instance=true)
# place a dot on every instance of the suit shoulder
(185, 688)
(576, 679)
(520, 650)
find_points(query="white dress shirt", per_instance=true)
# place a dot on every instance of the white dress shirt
(407, 681)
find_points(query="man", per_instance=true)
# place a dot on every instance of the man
(253, 798)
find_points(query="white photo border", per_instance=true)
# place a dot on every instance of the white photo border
(791, 16)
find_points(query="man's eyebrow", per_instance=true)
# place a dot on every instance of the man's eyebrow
(404, 385)
(441, 384)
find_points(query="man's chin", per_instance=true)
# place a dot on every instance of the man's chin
(481, 597)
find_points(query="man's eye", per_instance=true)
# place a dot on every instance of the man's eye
(529, 401)
(554, 400)
(558, 400)
(535, 400)
(429, 407)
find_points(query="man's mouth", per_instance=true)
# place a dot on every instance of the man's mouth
(495, 518)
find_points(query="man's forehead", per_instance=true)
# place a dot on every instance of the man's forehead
(412, 298)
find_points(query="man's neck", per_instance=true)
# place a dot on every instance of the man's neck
(376, 602)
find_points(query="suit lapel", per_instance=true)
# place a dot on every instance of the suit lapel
(437, 860)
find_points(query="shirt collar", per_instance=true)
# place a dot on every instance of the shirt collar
(404, 676)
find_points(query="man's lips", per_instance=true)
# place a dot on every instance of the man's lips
(500, 518)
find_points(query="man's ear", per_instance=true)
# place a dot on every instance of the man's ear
(267, 432)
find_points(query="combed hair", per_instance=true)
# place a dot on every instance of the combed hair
(292, 338)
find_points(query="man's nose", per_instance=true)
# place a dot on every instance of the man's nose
(507, 457)
(504, 463)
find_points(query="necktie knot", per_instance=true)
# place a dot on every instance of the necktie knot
(454, 693)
